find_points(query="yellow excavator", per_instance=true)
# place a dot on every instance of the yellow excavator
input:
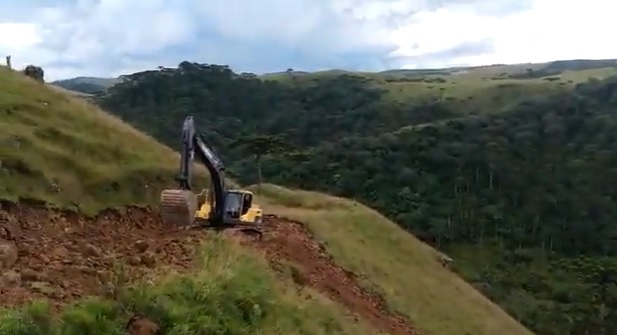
(216, 207)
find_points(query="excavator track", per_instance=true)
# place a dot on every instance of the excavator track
(178, 207)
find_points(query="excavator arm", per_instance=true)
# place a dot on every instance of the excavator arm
(179, 205)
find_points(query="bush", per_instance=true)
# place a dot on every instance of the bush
(35, 72)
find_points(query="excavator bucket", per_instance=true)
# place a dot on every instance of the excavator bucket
(178, 207)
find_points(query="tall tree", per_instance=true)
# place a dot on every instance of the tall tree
(258, 146)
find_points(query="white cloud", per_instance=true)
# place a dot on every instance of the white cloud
(104, 37)
(18, 36)
(549, 30)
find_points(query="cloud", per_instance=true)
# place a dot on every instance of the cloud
(439, 57)
(111, 37)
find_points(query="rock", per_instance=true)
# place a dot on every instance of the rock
(59, 253)
(138, 325)
(10, 278)
(86, 270)
(8, 254)
(65, 284)
(42, 287)
(148, 259)
(44, 258)
(134, 260)
(55, 188)
(92, 250)
(23, 251)
(141, 245)
(32, 275)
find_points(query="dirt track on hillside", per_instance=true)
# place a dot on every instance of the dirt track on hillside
(63, 257)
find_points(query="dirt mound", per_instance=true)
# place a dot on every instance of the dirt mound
(290, 241)
(62, 257)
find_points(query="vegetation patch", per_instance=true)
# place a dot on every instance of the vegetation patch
(68, 153)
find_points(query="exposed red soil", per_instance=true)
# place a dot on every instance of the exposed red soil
(62, 257)
(290, 241)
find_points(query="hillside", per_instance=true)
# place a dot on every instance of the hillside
(56, 149)
(70, 155)
(469, 89)
(515, 193)
(88, 85)
(465, 89)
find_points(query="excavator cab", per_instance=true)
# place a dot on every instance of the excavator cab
(233, 205)
(239, 207)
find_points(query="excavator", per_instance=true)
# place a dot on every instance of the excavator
(216, 207)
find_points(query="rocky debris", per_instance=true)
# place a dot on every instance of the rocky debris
(63, 257)
(42, 287)
(141, 245)
(92, 250)
(10, 279)
(32, 275)
(148, 259)
(8, 254)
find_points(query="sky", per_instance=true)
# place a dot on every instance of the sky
(107, 38)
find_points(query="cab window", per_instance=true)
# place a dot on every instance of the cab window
(246, 204)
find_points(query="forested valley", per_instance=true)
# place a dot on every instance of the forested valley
(520, 195)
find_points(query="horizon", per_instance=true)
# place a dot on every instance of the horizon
(352, 71)
(105, 38)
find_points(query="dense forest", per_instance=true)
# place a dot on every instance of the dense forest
(521, 197)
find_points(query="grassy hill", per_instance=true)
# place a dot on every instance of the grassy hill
(89, 85)
(470, 89)
(64, 151)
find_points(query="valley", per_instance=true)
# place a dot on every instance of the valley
(508, 177)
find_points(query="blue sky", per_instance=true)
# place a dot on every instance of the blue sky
(110, 37)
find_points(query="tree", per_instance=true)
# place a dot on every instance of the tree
(259, 146)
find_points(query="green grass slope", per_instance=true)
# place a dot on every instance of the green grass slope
(66, 152)
(471, 89)
(86, 84)
(393, 263)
